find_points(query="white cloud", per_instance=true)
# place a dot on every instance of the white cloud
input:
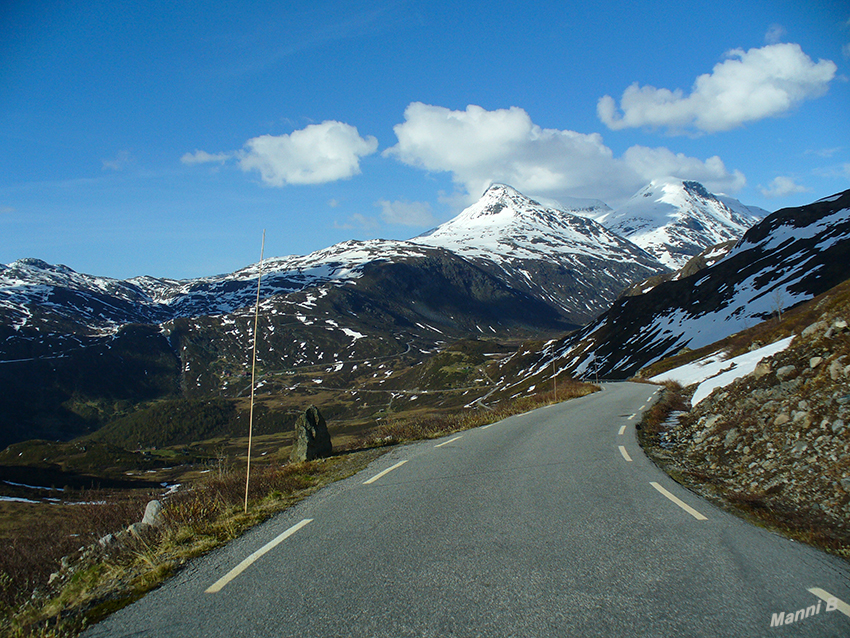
(121, 159)
(845, 50)
(774, 34)
(746, 87)
(202, 157)
(317, 154)
(782, 187)
(406, 213)
(359, 222)
(824, 152)
(480, 147)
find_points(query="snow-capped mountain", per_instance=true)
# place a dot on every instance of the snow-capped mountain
(568, 261)
(558, 255)
(675, 220)
(790, 257)
(80, 346)
(105, 304)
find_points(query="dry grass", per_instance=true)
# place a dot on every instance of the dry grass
(99, 580)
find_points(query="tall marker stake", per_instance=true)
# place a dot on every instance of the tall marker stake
(254, 370)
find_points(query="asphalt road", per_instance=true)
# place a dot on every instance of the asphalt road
(546, 524)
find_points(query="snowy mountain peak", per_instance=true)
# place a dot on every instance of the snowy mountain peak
(505, 229)
(675, 219)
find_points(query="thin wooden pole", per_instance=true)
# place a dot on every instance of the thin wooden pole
(554, 378)
(254, 369)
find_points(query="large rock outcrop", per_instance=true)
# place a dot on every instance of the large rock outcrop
(312, 439)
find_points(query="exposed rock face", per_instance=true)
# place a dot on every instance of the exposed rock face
(312, 439)
(778, 438)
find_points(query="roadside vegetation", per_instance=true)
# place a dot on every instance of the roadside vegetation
(69, 571)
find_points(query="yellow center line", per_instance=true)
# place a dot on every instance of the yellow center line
(690, 510)
(385, 472)
(449, 441)
(241, 567)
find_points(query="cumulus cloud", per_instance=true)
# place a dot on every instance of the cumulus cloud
(747, 86)
(782, 187)
(480, 147)
(406, 213)
(317, 154)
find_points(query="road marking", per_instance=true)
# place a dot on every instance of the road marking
(484, 427)
(625, 454)
(690, 510)
(385, 472)
(632, 417)
(449, 441)
(643, 407)
(241, 567)
(622, 430)
(825, 596)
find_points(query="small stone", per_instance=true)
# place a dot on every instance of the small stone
(762, 369)
(731, 435)
(785, 372)
(153, 513)
(845, 483)
(712, 421)
(836, 369)
(781, 419)
(814, 362)
(839, 325)
(812, 329)
(139, 529)
(799, 447)
(837, 426)
(107, 541)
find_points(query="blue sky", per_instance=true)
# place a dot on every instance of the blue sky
(161, 138)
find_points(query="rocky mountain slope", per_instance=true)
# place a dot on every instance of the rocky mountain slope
(776, 442)
(675, 220)
(791, 256)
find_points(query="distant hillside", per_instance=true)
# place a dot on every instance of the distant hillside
(789, 257)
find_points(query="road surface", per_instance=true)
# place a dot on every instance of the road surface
(551, 523)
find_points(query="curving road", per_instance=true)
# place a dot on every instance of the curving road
(551, 523)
